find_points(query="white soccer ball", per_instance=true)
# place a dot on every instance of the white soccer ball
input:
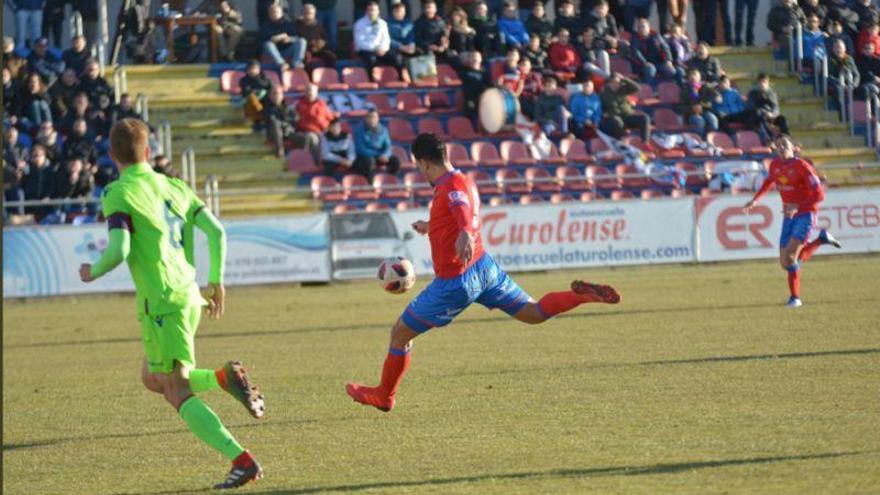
(396, 275)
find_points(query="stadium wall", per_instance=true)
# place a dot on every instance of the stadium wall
(43, 261)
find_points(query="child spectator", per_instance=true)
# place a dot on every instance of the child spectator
(550, 111)
(513, 31)
(530, 88)
(709, 67)
(696, 102)
(510, 76)
(586, 111)
(650, 54)
(564, 58)
(337, 149)
(254, 87)
(679, 45)
(870, 33)
(536, 53)
(537, 24)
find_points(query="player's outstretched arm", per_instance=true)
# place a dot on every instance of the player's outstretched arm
(421, 227)
(208, 223)
(118, 248)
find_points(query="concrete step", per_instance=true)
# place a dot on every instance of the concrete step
(202, 114)
(245, 209)
(840, 155)
(188, 103)
(256, 167)
(153, 72)
(187, 133)
(830, 141)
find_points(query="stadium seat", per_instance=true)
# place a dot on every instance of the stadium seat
(680, 193)
(651, 194)
(461, 128)
(530, 199)
(588, 196)
(273, 78)
(708, 193)
(485, 154)
(230, 80)
(401, 130)
(511, 181)
(345, 208)
(388, 186)
(667, 120)
(740, 190)
(575, 151)
(417, 185)
(388, 77)
(696, 152)
(598, 147)
(499, 200)
(422, 82)
(571, 179)
(485, 185)
(694, 177)
(405, 205)
(624, 175)
(410, 103)
(750, 142)
(621, 194)
(447, 75)
(669, 93)
(438, 102)
(328, 79)
(295, 80)
(859, 111)
(428, 124)
(622, 66)
(302, 161)
(381, 103)
(356, 78)
(646, 96)
(723, 141)
(326, 189)
(496, 68)
(555, 157)
(557, 198)
(458, 155)
(406, 161)
(601, 178)
(541, 181)
(357, 188)
(374, 206)
(516, 153)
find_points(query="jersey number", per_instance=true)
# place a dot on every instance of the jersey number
(175, 226)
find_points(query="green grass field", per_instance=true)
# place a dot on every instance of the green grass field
(698, 382)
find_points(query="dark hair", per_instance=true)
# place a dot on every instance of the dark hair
(253, 62)
(762, 76)
(430, 148)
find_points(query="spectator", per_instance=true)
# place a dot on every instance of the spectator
(709, 67)
(461, 35)
(635, 10)
(162, 165)
(650, 54)
(318, 54)
(474, 80)
(326, 15)
(255, 87)
(869, 34)
(764, 105)
(536, 54)
(619, 114)
(513, 31)
(11, 96)
(76, 56)
(99, 91)
(836, 32)
(51, 141)
(138, 30)
(867, 12)
(80, 144)
(488, 38)
(679, 46)
(510, 76)
(710, 11)
(604, 26)
(537, 24)
(749, 9)
(228, 30)
(280, 119)
(597, 63)
(586, 111)
(550, 111)
(564, 58)
(35, 103)
(813, 39)
(280, 41)
(39, 179)
(15, 63)
(44, 62)
(313, 116)
(696, 101)
(337, 149)
(371, 39)
(88, 9)
(430, 31)
(28, 21)
(530, 87)
(124, 110)
(566, 18)
(841, 69)
(15, 154)
(53, 21)
(781, 21)
(82, 109)
(403, 36)
(74, 181)
(373, 147)
(263, 11)
(868, 64)
(677, 9)
(813, 7)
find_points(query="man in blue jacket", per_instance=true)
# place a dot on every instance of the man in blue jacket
(28, 21)
(402, 32)
(372, 144)
(586, 111)
(513, 31)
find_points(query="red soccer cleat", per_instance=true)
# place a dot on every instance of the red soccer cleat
(370, 396)
(596, 293)
(245, 469)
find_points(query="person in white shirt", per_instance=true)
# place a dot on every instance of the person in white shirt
(371, 39)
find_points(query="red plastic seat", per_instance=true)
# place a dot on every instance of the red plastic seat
(388, 186)
(622, 66)
(601, 150)
(860, 112)
(295, 80)
(750, 142)
(575, 151)
(588, 196)
(667, 120)
(406, 161)
(694, 177)
(422, 82)
(557, 198)
(328, 79)
(485, 185)
(555, 157)
(405, 205)
(499, 200)
(411, 104)
(651, 194)
(485, 154)
(273, 78)
(381, 102)
(302, 161)
(696, 152)
(374, 206)
(511, 181)
(516, 153)
(723, 141)
(417, 185)
(601, 178)
(530, 199)
(439, 102)
(707, 192)
(669, 93)
(680, 193)
(326, 189)
(230, 80)
(401, 130)
(621, 194)
(356, 187)
(344, 208)
(541, 181)
(646, 95)
(357, 78)
(624, 173)
(447, 75)
(458, 155)
(431, 125)
(571, 179)
(388, 77)
(461, 128)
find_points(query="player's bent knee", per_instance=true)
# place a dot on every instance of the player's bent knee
(402, 336)
(531, 314)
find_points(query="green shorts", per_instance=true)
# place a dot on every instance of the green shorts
(169, 338)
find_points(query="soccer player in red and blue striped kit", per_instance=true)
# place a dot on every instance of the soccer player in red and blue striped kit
(801, 191)
(464, 274)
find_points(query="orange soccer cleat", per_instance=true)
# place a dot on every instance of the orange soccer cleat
(370, 396)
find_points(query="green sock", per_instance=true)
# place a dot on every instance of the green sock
(203, 380)
(204, 424)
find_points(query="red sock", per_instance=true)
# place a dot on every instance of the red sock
(809, 249)
(395, 367)
(794, 283)
(244, 460)
(221, 377)
(554, 303)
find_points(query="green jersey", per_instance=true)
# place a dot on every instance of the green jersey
(155, 208)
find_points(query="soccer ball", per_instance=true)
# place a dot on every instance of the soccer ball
(396, 275)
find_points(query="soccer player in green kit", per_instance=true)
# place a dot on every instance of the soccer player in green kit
(146, 213)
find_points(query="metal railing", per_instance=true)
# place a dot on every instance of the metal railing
(796, 48)
(872, 121)
(120, 82)
(820, 75)
(188, 167)
(212, 195)
(142, 106)
(164, 137)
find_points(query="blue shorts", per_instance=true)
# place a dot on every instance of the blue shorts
(798, 227)
(444, 298)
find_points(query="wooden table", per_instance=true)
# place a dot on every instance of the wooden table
(171, 23)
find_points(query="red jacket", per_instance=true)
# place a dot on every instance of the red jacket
(564, 57)
(313, 116)
(866, 37)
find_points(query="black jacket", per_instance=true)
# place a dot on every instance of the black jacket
(40, 183)
(271, 29)
(710, 68)
(487, 41)
(99, 91)
(764, 103)
(75, 61)
(260, 85)
(781, 19)
(82, 147)
(428, 32)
